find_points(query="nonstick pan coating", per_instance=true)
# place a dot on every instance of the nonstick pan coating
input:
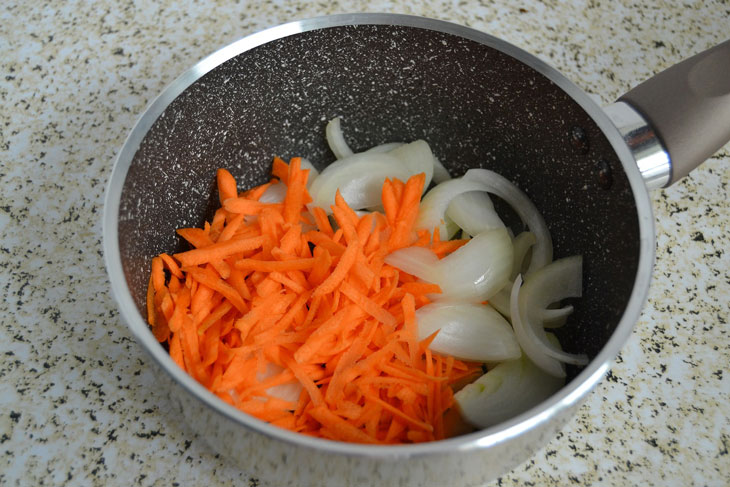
(474, 105)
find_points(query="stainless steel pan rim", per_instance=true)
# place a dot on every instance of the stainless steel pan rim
(572, 393)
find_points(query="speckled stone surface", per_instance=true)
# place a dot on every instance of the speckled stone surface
(79, 402)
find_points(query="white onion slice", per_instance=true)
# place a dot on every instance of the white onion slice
(472, 273)
(387, 147)
(336, 140)
(451, 229)
(507, 390)
(542, 252)
(417, 261)
(554, 318)
(500, 300)
(554, 282)
(521, 244)
(289, 391)
(313, 172)
(432, 211)
(550, 318)
(532, 347)
(274, 193)
(478, 269)
(440, 173)
(474, 212)
(467, 331)
(417, 158)
(359, 178)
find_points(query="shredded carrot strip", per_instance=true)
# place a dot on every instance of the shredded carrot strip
(323, 223)
(296, 195)
(339, 428)
(226, 185)
(287, 289)
(248, 206)
(340, 271)
(446, 247)
(367, 304)
(275, 265)
(218, 251)
(171, 265)
(197, 237)
(329, 244)
(280, 169)
(255, 193)
(407, 212)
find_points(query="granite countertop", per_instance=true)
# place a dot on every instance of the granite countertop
(79, 402)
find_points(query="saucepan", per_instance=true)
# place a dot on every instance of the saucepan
(479, 102)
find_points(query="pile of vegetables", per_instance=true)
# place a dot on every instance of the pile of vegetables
(350, 305)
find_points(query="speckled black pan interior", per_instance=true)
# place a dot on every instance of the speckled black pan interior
(476, 107)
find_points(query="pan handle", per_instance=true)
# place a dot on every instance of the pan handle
(688, 108)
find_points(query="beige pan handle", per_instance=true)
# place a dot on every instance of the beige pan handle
(688, 108)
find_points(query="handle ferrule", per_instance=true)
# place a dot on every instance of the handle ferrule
(688, 106)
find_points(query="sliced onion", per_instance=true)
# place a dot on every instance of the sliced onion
(274, 193)
(507, 390)
(554, 282)
(289, 391)
(467, 331)
(417, 157)
(542, 253)
(500, 300)
(359, 178)
(336, 140)
(472, 273)
(551, 317)
(521, 244)
(387, 147)
(313, 172)
(554, 318)
(451, 229)
(432, 211)
(477, 270)
(417, 261)
(440, 173)
(474, 212)
(532, 347)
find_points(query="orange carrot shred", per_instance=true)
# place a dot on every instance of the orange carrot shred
(248, 206)
(296, 195)
(322, 221)
(157, 275)
(151, 312)
(226, 185)
(407, 212)
(230, 229)
(171, 265)
(343, 267)
(367, 304)
(218, 251)
(341, 428)
(284, 291)
(280, 169)
(446, 247)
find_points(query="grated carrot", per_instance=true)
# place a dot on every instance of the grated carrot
(319, 304)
